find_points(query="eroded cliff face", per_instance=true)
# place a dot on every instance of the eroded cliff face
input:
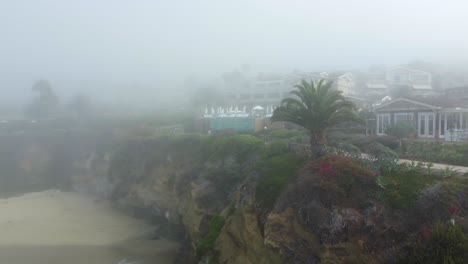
(182, 193)
(36, 160)
(242, 240)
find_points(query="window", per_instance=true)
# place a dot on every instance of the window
(430, 125)
(422, 125)
(420, 79)
(453, 121)
(383, 120)
(403, 118)
(465, 121)
(442, 124)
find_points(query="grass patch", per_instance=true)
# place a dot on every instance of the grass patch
(277, 172)
(207, 243)
(241, 147)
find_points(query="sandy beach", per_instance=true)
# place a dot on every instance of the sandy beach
(62, 227)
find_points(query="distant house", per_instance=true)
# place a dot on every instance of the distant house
(265, 90)
(441, 117)
(376, 82)
(383, 82)
(346, 84)
(453, 78)
(416, 79)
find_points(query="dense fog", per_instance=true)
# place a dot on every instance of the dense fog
(140, 52)
(234, 132)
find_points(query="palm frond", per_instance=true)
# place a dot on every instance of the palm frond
(316, 107)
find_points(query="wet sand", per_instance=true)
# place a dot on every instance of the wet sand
(62, 227)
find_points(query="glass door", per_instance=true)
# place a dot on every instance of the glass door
(383, 120)
(442, 125)
(426, 125)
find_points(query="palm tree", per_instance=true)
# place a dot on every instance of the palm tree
(316, 107)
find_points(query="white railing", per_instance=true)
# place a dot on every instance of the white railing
(456, 135)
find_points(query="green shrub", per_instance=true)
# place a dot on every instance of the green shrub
(383, 158)
(362, 141)
(345, 149)
(241, 147)
(436, 151)
(288, 134)
(401, 189)
(207, 243)
(400, 130)
(276, 173)
(388, 141)
(343, 177)
(330, 182)
(276, 148)
(444, 244)
(435, 202)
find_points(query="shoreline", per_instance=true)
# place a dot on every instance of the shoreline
(38, 227)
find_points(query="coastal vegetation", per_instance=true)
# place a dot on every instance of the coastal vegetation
(316, 107)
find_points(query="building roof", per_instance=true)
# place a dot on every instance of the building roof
(406, 69)
(419, 103)
(442, 101)
(348, 76)
(422, 86)
(403, 104)
(376, 86)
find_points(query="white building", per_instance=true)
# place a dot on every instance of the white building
(416, 79)
(267, 91)
(346, 84)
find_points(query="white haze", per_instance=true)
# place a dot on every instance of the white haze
(143, 50)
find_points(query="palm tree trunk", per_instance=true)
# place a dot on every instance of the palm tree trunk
(317, 145)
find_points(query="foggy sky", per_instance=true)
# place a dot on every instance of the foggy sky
(120, 49)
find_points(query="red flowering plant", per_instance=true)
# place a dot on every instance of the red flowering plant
(453, 211)
(341, 176)
(425, 234)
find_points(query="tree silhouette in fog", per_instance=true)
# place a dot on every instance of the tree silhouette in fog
(45, 103)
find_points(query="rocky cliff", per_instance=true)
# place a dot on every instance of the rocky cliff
(234, 199)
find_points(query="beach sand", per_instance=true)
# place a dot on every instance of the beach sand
(64, 227)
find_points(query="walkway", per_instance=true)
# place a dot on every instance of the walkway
(440, 166)
(305, 149)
